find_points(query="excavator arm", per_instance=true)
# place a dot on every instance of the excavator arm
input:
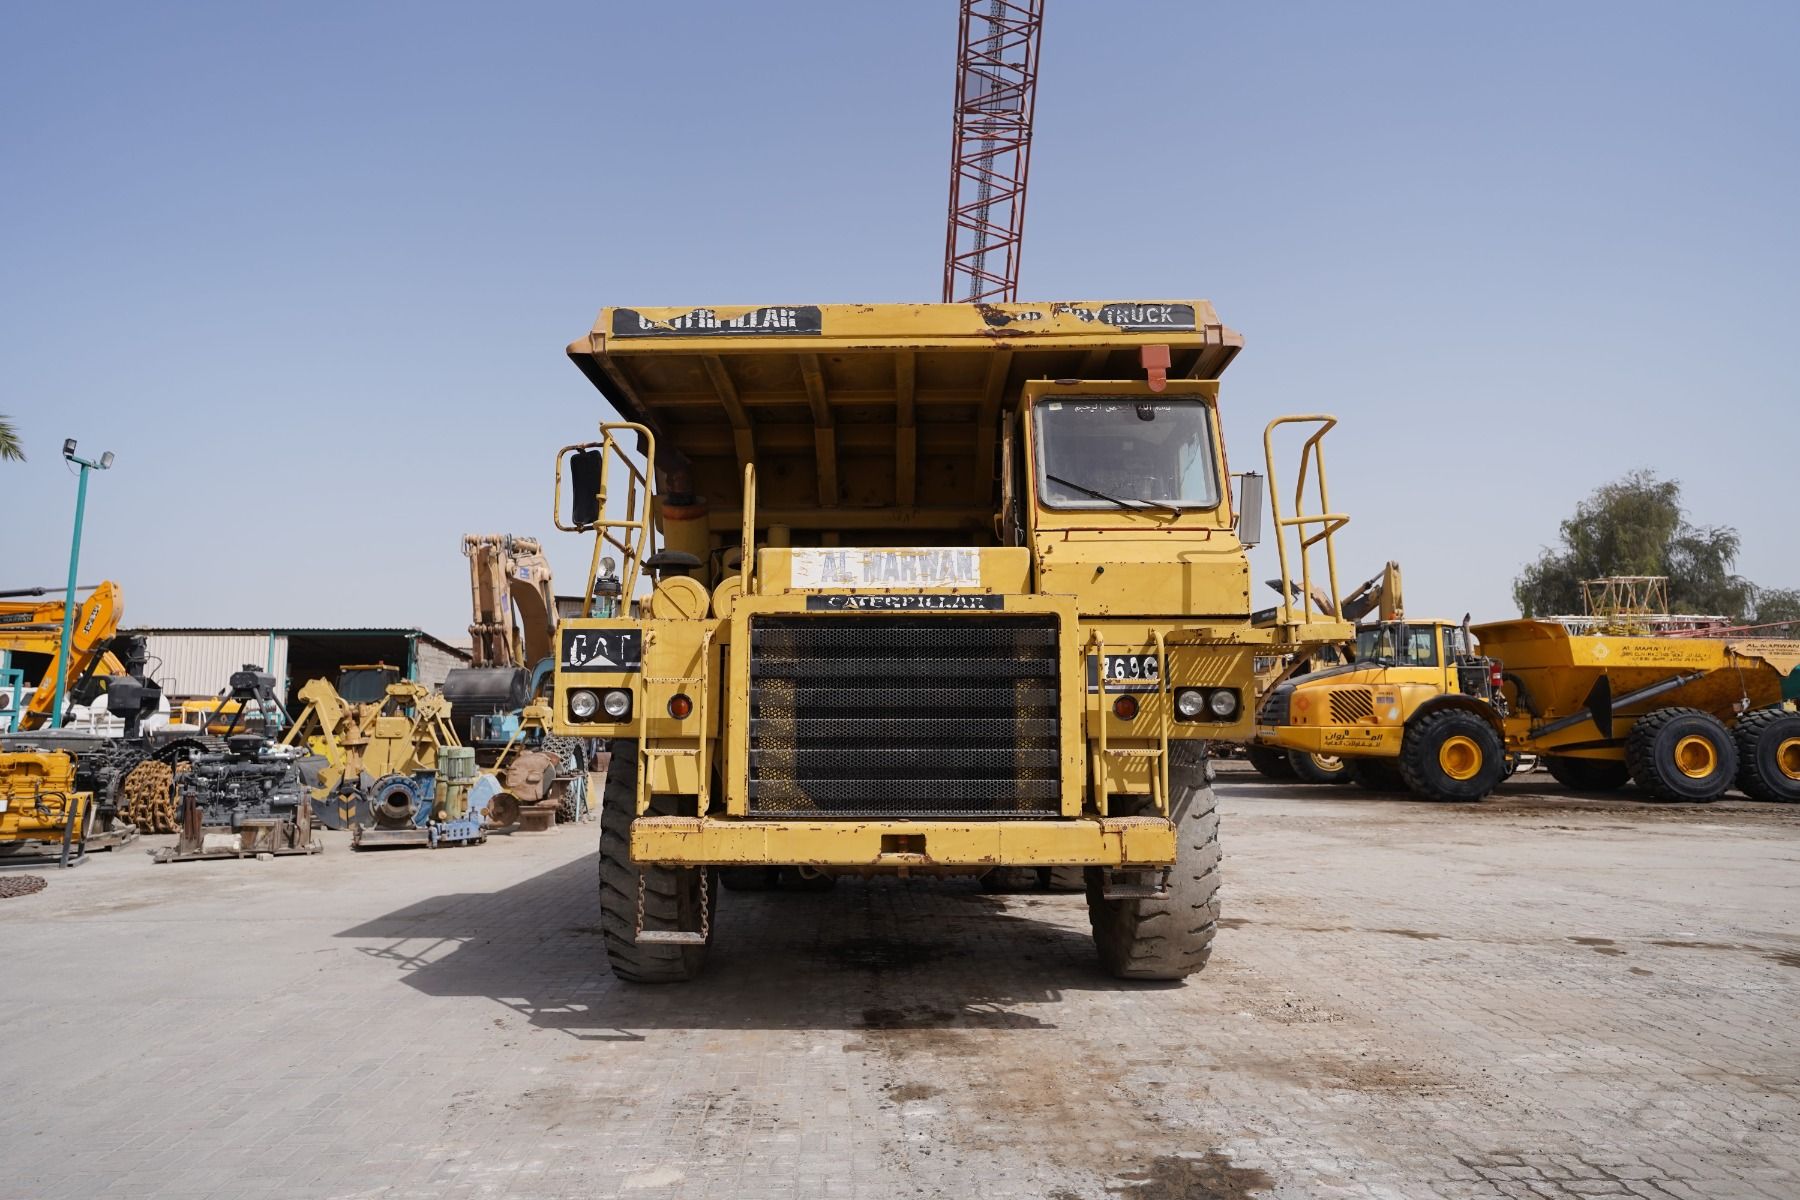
(37, 628)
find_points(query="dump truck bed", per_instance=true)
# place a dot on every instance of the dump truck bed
(878, 408)
(1559, 668)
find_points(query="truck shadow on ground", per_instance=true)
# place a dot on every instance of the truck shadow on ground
(868, 955)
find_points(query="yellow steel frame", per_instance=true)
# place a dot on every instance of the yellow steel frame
(905, 845)
(1311, 453)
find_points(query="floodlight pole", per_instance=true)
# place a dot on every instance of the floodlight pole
(60, 714)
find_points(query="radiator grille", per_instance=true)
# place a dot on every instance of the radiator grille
(1352, 706)
(888, 716)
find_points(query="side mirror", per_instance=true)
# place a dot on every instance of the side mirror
(584, 483)
(1250, 508)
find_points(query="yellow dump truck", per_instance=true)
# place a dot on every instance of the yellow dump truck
(932, 589)
(1436, 707)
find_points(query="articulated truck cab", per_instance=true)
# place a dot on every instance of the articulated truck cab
(916, 590)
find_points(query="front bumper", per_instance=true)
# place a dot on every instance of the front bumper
(1137, 842)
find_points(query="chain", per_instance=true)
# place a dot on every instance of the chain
(639, 928)
(705, 905)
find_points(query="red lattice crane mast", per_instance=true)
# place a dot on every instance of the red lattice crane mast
(996, 91)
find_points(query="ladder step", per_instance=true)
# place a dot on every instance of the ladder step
(669, 937)
(674, 679)
(686, 751)
(1135, 753)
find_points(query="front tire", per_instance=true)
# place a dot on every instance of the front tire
(1376, 775)
(1452, 755)
(1270, 762)
(1318, 768)
(1171, 936)
(1768, 746)
(672, 896)
(1681, 754)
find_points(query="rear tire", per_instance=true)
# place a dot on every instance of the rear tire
(1376, 774)
(1269, 762)
(671, 895)
(1768, 747)
(1587, 774)
(1318, 768)
(1451, 755)
(1169, 937)
(1681, 754)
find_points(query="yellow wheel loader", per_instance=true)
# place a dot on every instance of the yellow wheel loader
(926, 589)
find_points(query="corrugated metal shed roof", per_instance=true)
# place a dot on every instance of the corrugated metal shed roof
(302, 631)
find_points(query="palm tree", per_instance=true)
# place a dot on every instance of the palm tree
(10, 446)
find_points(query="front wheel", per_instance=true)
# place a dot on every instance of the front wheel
(1270, 762)
(1451, 754)
(673, 898)
(1169, 936)
(1376, 775)
(1318, 768)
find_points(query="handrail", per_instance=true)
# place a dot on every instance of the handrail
(747, 555)
(1312, 455)
(634, 541)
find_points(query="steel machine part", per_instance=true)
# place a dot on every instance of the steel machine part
(246, 802)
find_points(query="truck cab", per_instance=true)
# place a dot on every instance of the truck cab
(916, 589)
(1415, 705)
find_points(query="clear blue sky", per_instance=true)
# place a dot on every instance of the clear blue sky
(309, 269)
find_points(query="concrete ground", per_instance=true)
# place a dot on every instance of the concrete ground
(1535, 996)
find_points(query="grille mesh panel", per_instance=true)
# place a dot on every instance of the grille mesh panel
(888, 716)
(1352, 706)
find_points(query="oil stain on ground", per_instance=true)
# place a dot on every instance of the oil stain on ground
(1211, 1176)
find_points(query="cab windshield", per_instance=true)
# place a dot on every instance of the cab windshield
(1402, 645)
(1115, 453)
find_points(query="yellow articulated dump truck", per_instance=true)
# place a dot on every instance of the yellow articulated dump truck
(1436, 707)
(919, 590)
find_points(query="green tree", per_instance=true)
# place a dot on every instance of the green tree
(10, 446)
(1636, 526)
(1778, 606)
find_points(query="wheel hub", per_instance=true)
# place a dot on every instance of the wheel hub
(1460, 758)
(1787, 758)
(1695, 756)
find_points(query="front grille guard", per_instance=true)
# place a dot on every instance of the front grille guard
(941, 717)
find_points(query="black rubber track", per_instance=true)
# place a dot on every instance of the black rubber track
(1170, 937)
(671, 897)
(1759, 736)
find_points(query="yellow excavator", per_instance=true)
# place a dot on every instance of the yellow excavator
(495, 701)
(31, 633)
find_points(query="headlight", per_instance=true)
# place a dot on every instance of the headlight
(582, 704)
(1189, 702)
(1223, 703)
(617, 704)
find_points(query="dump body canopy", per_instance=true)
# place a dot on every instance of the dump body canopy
(866, 418)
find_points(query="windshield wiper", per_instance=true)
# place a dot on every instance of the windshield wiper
(1134, 502)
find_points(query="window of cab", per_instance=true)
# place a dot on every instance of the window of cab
(1121, 452)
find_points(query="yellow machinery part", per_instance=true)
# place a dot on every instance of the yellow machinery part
(909, 845)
